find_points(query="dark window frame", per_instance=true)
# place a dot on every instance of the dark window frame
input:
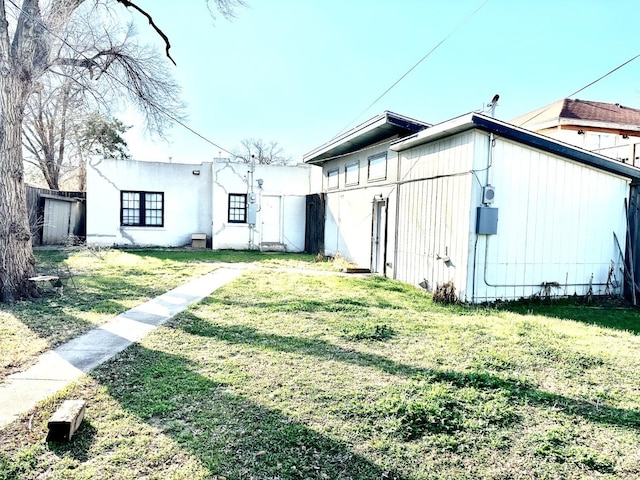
(355, 164)
(236, 213)
(335, 172)
(373, 158)
(141, 209)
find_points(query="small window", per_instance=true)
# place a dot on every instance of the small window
(142, 209)
(332, 179)
(237, 208)
(352, 173)
(600, 141)
(378, 166)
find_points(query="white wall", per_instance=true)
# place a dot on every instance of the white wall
(187, 201)
(556, 220)
(349, 208)
(435, 194)
(556, 224)
(283, 196)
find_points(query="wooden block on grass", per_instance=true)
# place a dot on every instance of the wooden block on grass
(66, 420)
(357, 270)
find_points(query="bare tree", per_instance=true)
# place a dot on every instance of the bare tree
(261, 152)
(51, 113)
(60, 107)
(34, 41)
(59, 131)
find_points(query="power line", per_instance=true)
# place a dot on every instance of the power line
(427, 55)
(584, 88)
(157, 107)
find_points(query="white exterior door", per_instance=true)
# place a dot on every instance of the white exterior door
(271, 213)
(379, 240)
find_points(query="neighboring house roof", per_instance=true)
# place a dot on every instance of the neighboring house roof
(379, 128)
(573, 114)
(518, 134)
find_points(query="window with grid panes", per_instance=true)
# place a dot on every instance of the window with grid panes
(237, 208)
(142, 209)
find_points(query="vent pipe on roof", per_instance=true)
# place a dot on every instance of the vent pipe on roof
(492, 105)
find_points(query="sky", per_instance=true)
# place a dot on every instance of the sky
(299, 72)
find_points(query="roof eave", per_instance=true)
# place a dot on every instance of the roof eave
(322, 153)
(578, 122)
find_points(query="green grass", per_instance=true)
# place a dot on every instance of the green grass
(293, 375)
(100, 284)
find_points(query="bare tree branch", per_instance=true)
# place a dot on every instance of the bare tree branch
(257, 151)
(164, 37)
(31, 48)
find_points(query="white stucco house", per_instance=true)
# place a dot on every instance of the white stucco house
(235, 205)
(500, 211)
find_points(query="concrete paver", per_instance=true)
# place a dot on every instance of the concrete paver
(57, 368)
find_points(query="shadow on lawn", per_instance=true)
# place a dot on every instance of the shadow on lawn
(231, 435)
(615, 313)
(519, 392)
(57, 319)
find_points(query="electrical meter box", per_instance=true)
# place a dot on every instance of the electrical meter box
(252, 209)
(487, 221)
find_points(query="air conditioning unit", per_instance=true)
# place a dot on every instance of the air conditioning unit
(488, 194)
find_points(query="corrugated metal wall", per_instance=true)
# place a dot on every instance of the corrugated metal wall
(632, 249)
(433, 212)
(556, 225)
(556, 221)
(59, 220)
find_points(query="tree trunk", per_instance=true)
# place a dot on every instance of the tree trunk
(16, 254)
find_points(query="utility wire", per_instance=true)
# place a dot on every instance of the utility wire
(123, 84)
(428, 54)
(584, 88)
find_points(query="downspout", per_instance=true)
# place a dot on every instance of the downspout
(374, 227)
(250, 191)
(386, 236)
(211, 195)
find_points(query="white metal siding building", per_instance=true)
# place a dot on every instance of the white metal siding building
(559, 212)
(434, 212)
(359, 179)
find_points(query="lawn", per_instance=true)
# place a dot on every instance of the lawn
(102, 284)
(288, 374)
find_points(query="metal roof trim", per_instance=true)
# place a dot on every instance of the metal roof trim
(521, 135)
(380, 120)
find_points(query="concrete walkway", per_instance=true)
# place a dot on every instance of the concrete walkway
(57, 368)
